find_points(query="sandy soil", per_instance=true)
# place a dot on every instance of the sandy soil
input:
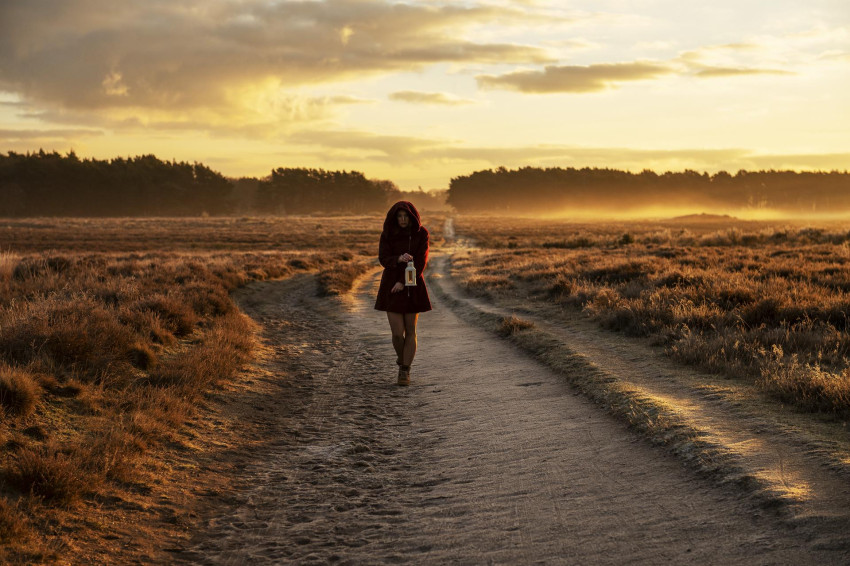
(488, 457)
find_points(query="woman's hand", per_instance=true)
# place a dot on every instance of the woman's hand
(397, 287)
(405, 257)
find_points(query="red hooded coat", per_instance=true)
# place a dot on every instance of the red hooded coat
(394, 242)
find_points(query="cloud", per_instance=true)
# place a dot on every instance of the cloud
(709, 72)
(270, 117)
(588, 78)
(736, 46)
(365, 146)
(181, 55)
(9, 135)
(707, 62)
(817, 161)
(834, 55)
(347, 99)
(353, 146)
(416, 97)
(725, 60)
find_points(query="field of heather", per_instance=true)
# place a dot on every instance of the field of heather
(111, 333)
(757, 301)
(118, 338)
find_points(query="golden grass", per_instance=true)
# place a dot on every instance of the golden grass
(750, 300)
(104, 354)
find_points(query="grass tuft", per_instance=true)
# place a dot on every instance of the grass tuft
(19, 391)
(175, 315)
(806, 384)
(49, 473)
(8, 264)
(338, 279)
(512, 324)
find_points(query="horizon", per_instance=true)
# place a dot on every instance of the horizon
(423, 91)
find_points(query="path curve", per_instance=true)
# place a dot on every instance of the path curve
(487, 458)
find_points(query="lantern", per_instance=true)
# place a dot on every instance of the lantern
(410, 275)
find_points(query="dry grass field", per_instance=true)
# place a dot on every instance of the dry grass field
(758, 301)
(111, 333)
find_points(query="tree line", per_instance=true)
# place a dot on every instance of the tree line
(541, 190)
(50, 184)
(301, 191)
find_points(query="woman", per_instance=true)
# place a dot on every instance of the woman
(403, 239)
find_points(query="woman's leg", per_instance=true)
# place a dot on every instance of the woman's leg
(397, 328)
(409, 338)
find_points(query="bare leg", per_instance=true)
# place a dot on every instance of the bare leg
(409, 338)
(397, 328)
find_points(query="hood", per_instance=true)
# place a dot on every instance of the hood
(391, 224)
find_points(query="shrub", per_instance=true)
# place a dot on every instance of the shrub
(19, 391)
(338, 279)
(207, 300)
(141, 356)
(808, 385)
(620, 272)
(49, 473)
(8, 263)
(221, 353)
(512, 324)
(147, 325)
(301, 263)
(175, 315)
(767, 311)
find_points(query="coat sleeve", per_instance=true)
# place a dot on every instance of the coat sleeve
(385, 254)
(389, 260)
(420, 256)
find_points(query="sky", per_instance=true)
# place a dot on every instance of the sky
(421, 91)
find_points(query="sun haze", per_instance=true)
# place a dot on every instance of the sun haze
(422, 91)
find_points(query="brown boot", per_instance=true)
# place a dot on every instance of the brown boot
(404, 375)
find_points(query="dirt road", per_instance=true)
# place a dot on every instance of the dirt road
(487, 458)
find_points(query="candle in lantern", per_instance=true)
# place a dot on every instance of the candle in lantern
(410, 275)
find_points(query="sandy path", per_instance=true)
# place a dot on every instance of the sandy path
(487, 458)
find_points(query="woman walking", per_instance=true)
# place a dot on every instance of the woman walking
(403, 241)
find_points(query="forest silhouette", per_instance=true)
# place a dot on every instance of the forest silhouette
(50, 184)
(531, 190)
